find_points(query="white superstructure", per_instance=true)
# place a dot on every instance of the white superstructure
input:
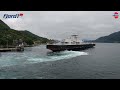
(73, 40)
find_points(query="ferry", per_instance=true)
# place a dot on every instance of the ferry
(70, 44)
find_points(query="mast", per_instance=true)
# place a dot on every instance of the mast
(75, 38)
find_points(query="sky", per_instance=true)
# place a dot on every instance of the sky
(61, 24)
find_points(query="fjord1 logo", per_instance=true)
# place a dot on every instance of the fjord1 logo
(116, 15)
(13, 16)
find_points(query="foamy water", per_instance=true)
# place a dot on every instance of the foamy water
(101, 62)
(35, 55)
(58, 56)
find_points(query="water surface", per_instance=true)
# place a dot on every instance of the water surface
(101, 62)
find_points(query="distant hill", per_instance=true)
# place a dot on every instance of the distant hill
(112, 38)
(86, 40)
(8, 34)
(3, 26)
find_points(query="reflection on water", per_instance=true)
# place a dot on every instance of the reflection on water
(0, 55)
(59, 53)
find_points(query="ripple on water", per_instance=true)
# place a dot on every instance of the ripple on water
(14, 58)
(57, 56)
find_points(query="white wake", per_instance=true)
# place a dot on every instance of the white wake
(57, 56)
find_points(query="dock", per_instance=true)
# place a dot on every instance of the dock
(18, 49)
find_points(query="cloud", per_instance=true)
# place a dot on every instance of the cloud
(17, 23)
(61, 24)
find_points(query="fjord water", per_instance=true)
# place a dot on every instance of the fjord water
(101, 62)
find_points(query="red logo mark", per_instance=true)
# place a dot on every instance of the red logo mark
(21, 14)
(116, 15)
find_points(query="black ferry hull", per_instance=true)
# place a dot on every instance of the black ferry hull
(69, 47)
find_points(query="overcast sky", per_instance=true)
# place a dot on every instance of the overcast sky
(62, 24)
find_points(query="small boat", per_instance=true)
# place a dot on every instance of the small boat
(70, 44)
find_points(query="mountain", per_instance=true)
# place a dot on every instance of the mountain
(8, 35)
(112, 38)
(3, 26)
(86, 40)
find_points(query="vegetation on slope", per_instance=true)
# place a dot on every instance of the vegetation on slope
(8, 35)
(112, 38)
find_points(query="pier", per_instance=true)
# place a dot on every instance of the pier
(17, 45)
(18, 49)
